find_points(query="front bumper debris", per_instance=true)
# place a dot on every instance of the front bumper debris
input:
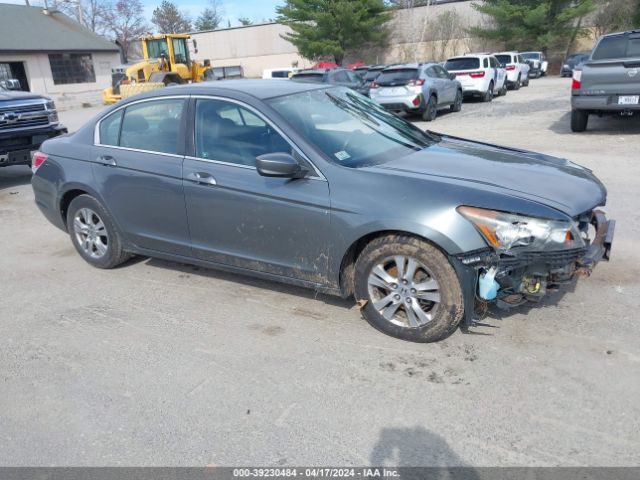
(526, 277)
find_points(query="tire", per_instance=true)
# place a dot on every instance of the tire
(526, 82)
(431, 110)
(579, 120)
(457, 103)
(504, 89)
(441, 303)
(106, 250)
(518, 84)
(488, 96)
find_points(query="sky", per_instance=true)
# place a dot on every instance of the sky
(255, 10)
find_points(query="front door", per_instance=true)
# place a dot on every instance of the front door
(240, 218)
(138, 170)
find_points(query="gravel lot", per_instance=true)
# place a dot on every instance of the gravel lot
(158, 363)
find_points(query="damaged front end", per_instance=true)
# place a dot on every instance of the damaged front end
(529, 257)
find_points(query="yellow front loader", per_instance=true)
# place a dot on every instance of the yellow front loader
(166, 62)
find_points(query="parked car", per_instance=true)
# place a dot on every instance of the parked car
(416, 88)
(280, 73)
(368, 77)
(538, 63)
(333, 76)
(609, 81)
(517, 69)
(572, 61)
(479, 74)
(320, 187)
(26, 120)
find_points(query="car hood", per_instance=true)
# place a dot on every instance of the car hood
(16, 95)
(555, 182)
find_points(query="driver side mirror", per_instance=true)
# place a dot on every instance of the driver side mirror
(280, 165)
(452, 76)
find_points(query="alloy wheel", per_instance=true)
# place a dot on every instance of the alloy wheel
(404, 291)
(90, 232)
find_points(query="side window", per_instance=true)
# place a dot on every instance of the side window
(354, 77)
(152, 126)
(431, 72)
(442, 73)
(227, 132)
(110, 129)
(485, 63)
(493, 62)
(341, 77)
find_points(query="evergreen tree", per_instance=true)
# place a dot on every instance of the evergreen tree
(324, 28)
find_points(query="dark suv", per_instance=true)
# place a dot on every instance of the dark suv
(26, 120)
(334, 76)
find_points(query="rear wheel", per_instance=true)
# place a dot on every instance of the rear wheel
(526, 82)
(517, 84)
(504, 89)
(411, 290)
(457, 104)
(431, 110)
(488, 96)
(93, 233)
(579, 120)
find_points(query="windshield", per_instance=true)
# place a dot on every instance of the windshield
(350, 129)
(397, 76)
(618, 46)
(504, 59)
(531, 56)
(462, 64)
(308, 77)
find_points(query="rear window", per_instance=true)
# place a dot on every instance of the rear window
(308, 77)
(618, 46)
(280, 74)
(462, 64)
(504, 58)
(371, 75)
(531, 56)
(397, 76)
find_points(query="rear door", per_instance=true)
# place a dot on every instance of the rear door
(138, 171)
(240, 218)
(614, 66)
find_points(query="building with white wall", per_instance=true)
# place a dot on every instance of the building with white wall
(53, 55)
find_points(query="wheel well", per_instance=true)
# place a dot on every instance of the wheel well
(347, 266)
(66, 200)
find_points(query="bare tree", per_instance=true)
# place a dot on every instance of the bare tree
(127, 23)
(92, 14)
(614, 15)
(445, 34)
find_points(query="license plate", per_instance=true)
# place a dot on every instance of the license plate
(628, 99)
(395, 91)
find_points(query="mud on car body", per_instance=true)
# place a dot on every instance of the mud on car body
(319, 186)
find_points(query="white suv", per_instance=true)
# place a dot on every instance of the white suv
(517, 69)
(479, 74)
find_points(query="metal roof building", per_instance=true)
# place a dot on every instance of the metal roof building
(51, 54)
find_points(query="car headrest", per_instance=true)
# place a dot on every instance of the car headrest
(169, 125)
(135, 123)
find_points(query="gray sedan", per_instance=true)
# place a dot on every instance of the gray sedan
(318, 186)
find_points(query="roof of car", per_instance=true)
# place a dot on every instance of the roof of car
(403, 66)
(613, 34)
(512, 52)
(261, 89)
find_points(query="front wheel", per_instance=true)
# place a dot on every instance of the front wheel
(456, 106)
(431, 110)
(411, 290)
(526, 82)
(93, 233)
(504, 89)
(517, 84)
(579, 120)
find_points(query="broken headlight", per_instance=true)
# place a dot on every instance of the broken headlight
(504, 231)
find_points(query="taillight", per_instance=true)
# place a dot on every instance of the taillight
(415, 83)
(510, 67)
(37, 160)
(374, 85)
(476, 74)
(576, 84)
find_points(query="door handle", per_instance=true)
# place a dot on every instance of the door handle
(203, 178)
(107, 160)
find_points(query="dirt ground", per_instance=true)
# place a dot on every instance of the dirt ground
(158, 363)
